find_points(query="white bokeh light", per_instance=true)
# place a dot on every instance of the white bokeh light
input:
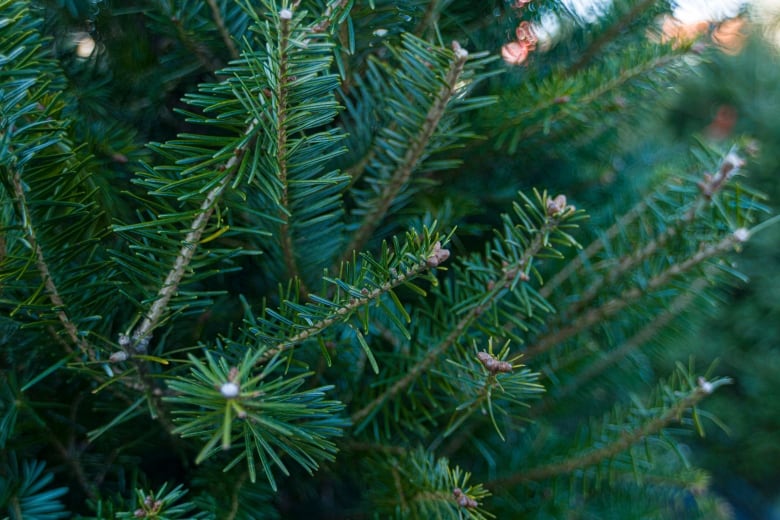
(692, 11)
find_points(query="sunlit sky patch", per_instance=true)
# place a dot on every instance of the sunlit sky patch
(687, 11)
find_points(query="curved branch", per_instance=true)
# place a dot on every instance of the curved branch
(630, 296)
(591, 458)
(43, 268)
(414, 153)
(189, 245)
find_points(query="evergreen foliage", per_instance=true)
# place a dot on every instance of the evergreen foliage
(279, 260)
(742, 334)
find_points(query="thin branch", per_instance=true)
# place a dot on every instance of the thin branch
(629, 296)
(324, 24)
(43, 268)
(594, 247)
(414, 153)
(677, 306)
(610, 34)
(187, 250)
(66, 454)
(350, 307)
(628, 262)
(234, 499)
(223, 32)
(285, 233)
(508, 276)
(625, 76)
(591, 458)
(428, 20)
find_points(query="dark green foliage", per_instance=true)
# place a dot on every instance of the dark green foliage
(266, 260)
(25, 491)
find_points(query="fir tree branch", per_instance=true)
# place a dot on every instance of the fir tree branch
(191, 241)
(645, 334)
(203, 55)
(327, 16)
(223, 32)
(576, 263)
(399, 488)
(625, 441)
(43, 268)
(285, 233)
(630, 296)
(350, 307)
(627, 74)
(707, 189)
(508, 276)
(414, 153)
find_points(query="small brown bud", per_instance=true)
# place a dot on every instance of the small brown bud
(438, 255)
(492, 364)
(557, 206)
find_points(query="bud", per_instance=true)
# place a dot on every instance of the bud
(741, 235)
(460, 52)
(229, 390)
(118, 357)
(437, 256)
(557, 206)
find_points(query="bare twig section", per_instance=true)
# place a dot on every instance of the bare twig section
(630, 296)
(223, 32)
(43, 268)
(414, 153)
(510, 273)
(591, 458)
(174, 277)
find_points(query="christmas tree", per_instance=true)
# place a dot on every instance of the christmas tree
(341, 259)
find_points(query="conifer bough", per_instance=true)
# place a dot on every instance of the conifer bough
(255, 257)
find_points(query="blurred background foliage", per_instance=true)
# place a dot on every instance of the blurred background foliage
(739, 95)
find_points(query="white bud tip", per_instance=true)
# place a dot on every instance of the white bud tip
(460, 52)
(381, 33)
(741, 235)
(734, 161)
(118, 357)
(705, 385)
(285, 14)
(229, 390)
